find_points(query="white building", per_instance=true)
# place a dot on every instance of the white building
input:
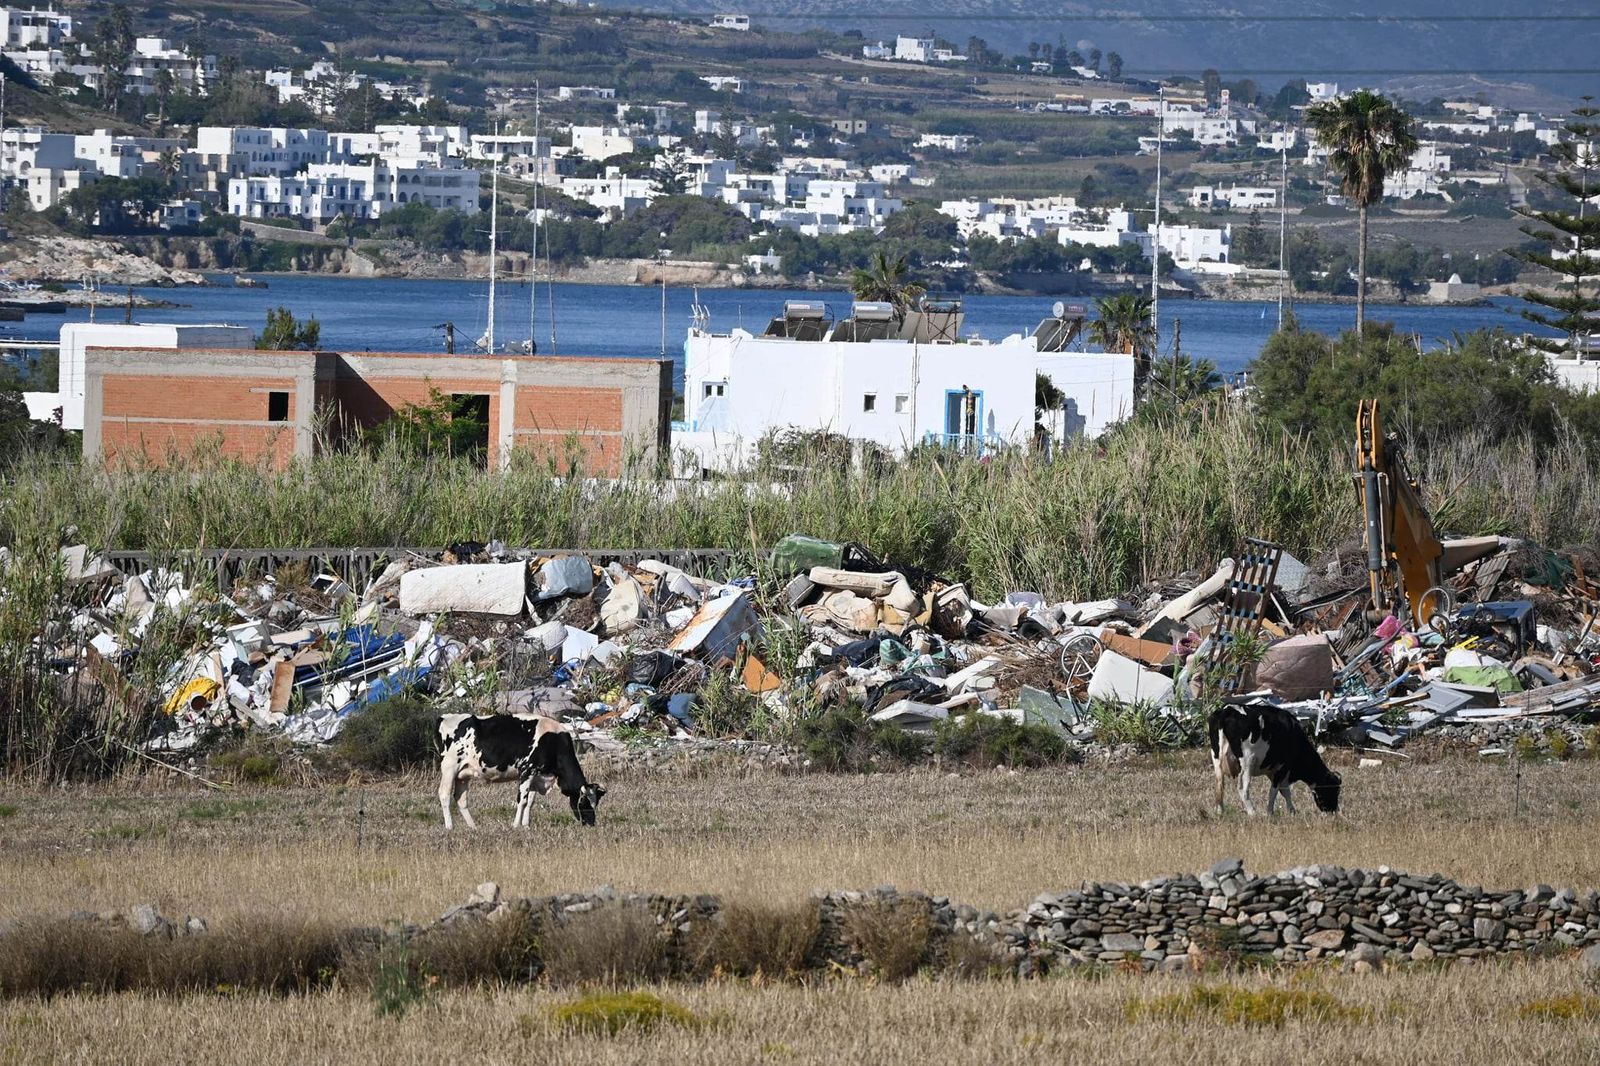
(914, 49)
(948, 142)
(655, 118)
(585, 92)
(1425, 176)
(600, 143)
(1278, 140)
(355, 190)
(730, 22)
(1321, 91)
(1107, 230)
(724, 82)
(857, 204)
(877, 51)
(1190, 246)
(25, 28)
(253, 151)
(613, 193)
(1237, 198)
(429, 145)
(78, 337)
(926, 384)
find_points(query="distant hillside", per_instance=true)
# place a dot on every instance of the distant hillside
(1316, 39)
(1469, 47)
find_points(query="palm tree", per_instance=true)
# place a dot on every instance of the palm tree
(1183, 377)
(170, 164)
(1124, 325)
(1367, 137)
(886, 282)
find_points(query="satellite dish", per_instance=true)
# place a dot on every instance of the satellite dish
(1059, 309)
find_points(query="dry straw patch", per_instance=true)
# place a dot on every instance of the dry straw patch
(1456, 1017)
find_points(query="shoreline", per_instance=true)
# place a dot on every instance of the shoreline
(604, 277)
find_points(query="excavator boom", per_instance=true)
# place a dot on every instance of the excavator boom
(1403, 550)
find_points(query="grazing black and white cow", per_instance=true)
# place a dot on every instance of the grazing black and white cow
(1258, 738)
(527, 749)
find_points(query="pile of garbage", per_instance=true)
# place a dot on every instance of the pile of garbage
(637, 645)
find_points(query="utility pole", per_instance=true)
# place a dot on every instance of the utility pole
(663, 316)
(4, 171)
(1283, 207)
(1155, 230)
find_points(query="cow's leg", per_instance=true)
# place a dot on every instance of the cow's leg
(524, 803)
(1244, 788)
(1218, 772)
(447, 788)
(1272, 797)
(461, 802)
(1288, 800)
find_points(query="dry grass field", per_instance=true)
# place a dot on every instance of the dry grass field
(364, 853)
(1422, 1018)
(990, 839)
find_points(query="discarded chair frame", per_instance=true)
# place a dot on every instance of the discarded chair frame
(1244, 599)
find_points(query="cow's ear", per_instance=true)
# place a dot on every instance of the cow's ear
(599, 790)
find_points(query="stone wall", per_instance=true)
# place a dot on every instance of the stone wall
(1364, 918)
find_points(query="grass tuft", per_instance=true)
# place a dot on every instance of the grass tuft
(613, 944)
(894, 936)
(1568, 1008)
(1247, 1007)
(611, 1013)
(759, 940)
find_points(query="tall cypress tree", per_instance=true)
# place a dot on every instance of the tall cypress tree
(1573, 235)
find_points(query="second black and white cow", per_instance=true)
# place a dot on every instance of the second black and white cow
(527, 749)
(1258, 738)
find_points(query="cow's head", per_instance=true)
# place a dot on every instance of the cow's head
(1326, 793)
(586, 801)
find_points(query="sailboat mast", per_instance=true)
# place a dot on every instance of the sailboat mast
(533, 259)
(494, 215)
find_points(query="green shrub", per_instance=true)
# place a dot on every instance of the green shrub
(610, 1013)
(398, 982)
(1142, 725)
(727, 709)
(393, 734)
(985, 741)
(843, 740)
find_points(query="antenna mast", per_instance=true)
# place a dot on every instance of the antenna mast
(1155, 231)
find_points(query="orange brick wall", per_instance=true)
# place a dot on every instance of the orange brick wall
(159, 440)
(583, 406)
(557, 409)
(185, 398)
(159, 415)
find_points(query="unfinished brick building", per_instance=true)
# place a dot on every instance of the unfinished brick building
(274, 406)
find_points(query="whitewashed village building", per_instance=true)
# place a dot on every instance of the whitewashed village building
(896, 384)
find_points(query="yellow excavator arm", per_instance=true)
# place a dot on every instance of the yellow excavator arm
(1404, 556)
